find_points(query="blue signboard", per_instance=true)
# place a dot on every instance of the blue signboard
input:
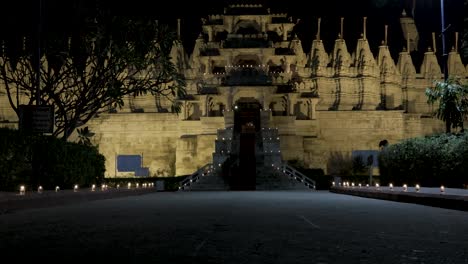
(128, 163)
(142, 172)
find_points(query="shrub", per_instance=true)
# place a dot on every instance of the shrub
(430, 161)
(340, 164)
(44, 160)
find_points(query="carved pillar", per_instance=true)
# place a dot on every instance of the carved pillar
(206, 62)
(266, 102)
(303, 108)
(202, 104)
(229, 99)
(314, 102)
(287, 67)
(210, 34)
(292, 99)
(184, 110)
(285, 33)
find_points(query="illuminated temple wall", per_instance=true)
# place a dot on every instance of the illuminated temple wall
(321, 101)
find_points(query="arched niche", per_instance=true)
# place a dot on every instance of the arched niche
(247, 27)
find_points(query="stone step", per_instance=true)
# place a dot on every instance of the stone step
(208, 183)
(269, 179)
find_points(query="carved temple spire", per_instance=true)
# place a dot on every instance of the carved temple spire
(386, 36)
(24, 43)
(364, 27)
(178, 29)
(341, 27)
(318, 29)
(69, 43)
(430, 67)
(408, 47)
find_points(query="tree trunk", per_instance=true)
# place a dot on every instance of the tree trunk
(447, 126)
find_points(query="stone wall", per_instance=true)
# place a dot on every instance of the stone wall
(312, 141)
(168, 145)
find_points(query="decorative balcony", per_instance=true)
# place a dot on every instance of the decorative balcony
(246, 42)
(247, 75)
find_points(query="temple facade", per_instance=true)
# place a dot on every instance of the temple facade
(249, 72)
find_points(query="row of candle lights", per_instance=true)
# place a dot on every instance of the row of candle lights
(390, 186)
(40, 189)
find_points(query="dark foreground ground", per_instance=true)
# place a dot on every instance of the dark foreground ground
(236, 227)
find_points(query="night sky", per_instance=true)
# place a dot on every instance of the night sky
(21, 16)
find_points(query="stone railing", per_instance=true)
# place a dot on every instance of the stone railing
(206, 170)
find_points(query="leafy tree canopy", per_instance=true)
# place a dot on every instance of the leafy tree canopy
(452, 99)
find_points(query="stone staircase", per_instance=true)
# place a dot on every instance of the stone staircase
(209, 177)
(271, 173)
(204, 179)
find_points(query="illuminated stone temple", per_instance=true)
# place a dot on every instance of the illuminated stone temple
(250, 80)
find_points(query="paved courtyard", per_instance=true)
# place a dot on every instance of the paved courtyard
(236, 227)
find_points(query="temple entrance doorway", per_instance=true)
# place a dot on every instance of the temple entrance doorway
(246, 124)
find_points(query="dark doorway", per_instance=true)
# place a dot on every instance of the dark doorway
(246, 124)
(247, 116)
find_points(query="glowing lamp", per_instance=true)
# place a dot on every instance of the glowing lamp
(442, 189)
(57, 188)
(417, 187)
(22, 190)
(39, 189)
(405, 187)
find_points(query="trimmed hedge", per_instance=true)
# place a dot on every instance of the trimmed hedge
(429, 161)
(53, 161)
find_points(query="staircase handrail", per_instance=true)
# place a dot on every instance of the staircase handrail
(207, 169)
(292, 172)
